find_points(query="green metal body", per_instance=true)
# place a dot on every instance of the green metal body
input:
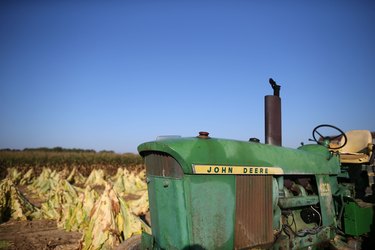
(313, 159)
(357, 220)
(191, 210)
(180, 204)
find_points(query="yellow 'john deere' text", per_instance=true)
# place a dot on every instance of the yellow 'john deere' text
(247, 170)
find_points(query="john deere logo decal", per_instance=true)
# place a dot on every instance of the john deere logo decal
(247, 170)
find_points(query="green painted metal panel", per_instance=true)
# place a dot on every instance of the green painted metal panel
(326, 201)
(211, 209)
(357, 220)
(196, 211)
(168, 212)
(314, 159)
(298, 201)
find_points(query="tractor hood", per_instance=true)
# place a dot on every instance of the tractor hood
(192, 151)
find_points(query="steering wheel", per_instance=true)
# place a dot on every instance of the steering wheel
(327, 139)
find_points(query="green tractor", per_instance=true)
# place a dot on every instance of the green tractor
(210, 193)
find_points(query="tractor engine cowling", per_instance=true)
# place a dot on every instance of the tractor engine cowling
(230, 204)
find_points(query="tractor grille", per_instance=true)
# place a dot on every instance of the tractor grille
(253, 211)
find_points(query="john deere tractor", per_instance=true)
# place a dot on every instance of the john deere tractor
(210, 193)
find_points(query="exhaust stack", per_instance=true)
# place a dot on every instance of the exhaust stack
(273, 115)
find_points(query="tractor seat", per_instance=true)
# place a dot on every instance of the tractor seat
(358, 148)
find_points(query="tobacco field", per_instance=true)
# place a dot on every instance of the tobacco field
(70, 199)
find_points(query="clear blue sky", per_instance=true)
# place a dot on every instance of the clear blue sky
(113, 74)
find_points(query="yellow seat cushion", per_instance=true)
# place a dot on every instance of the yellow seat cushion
(358, 148)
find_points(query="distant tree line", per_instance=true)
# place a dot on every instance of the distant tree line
(60, 158)
(59, 149)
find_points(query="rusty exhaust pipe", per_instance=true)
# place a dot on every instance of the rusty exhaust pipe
(273, 115)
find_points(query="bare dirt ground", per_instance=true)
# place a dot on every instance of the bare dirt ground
(36, 234)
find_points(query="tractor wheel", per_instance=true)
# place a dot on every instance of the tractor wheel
(133, 243)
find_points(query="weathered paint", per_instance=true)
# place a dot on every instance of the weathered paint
(168, 212)
(312, 159)
(210, 204)
(326, 201)
(298, 201)
(193, 209)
